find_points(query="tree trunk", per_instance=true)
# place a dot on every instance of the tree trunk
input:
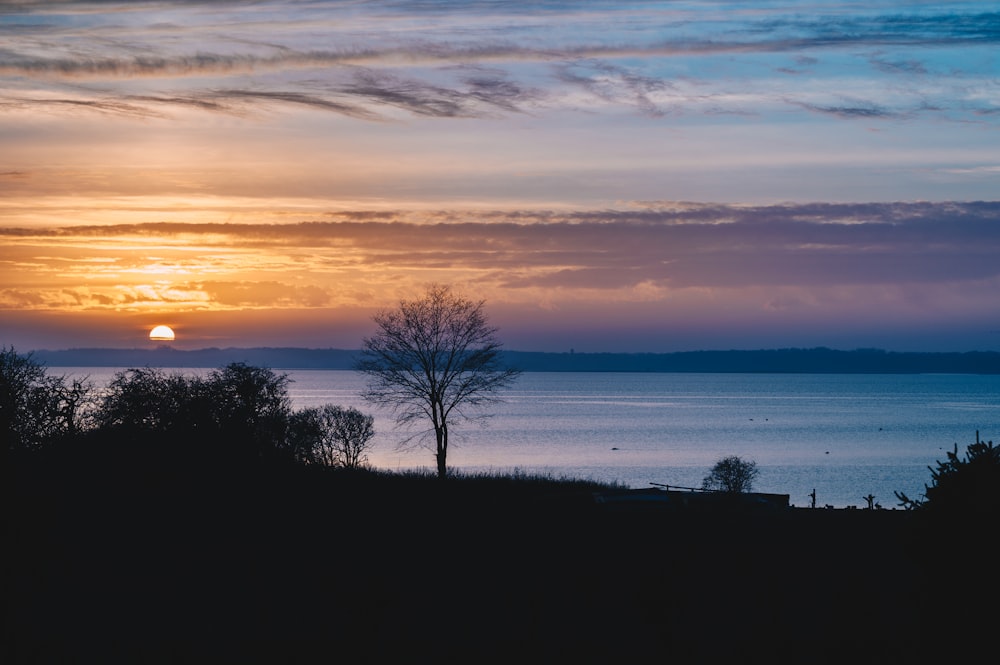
(441, 432)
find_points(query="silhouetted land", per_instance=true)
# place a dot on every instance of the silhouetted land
(818, 360)
(134, 558)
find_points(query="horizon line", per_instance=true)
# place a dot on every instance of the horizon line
(169, 348)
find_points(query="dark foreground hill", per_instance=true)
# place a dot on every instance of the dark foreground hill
(156, 563)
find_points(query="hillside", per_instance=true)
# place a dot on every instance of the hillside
(168, 564)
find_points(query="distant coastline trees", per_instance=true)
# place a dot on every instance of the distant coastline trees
(783, 361)
(435, 359)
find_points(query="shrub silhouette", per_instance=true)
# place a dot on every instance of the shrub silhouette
(331, 436)
(731, 474)
(962, 485)
(250, 407)
(952, 539)
(150, 400)
(238, 412)
(36, 408)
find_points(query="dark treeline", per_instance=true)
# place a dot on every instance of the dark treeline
(783, 361)
(165, 356)
(811, 361)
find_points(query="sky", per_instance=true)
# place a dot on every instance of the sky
(607, 176)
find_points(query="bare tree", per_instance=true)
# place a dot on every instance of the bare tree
(351, 433)
(331, 436)
(36, 408)
(435, 358)
(731, 474)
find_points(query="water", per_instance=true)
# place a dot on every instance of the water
(844, 436)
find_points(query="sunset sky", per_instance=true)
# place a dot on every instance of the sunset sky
(609, 176)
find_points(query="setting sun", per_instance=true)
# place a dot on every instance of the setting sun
(161, 334)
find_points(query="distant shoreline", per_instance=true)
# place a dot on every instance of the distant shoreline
(775, 361)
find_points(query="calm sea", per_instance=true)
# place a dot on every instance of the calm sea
(844, 436)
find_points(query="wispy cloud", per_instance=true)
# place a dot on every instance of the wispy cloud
(852, 110)
(534, 51)
(815, 246)
(613, 83)
(232, 99)
(109, 106)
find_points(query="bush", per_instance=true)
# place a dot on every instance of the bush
(731, 474)
(962, 485)
(236, 412)
(251, 408)
(36, 408)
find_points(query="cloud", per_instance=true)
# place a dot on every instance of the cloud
(350, 64)
(265, 294)
(174, 294)
(985, 170)
(612, 83)
(110, 106)
(659, 245)
(862, 110)
(221, 97)
(22, 299)
(416, 97)
(900, 66)
(289, 43)
(494, 88)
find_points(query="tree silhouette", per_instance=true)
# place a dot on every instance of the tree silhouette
(331, 436)
(251, 408)
(36, 408)
(236, 412)
(303, 434)
(150, 400)
(962, 485)
(731, 474)
(436, 359)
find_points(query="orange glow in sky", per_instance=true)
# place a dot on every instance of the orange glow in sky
(270, 175)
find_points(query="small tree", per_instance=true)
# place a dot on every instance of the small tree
(331, 436)
(731, 474)
(434, 359)
(36, 408)
(962, 484)
(351, 434)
